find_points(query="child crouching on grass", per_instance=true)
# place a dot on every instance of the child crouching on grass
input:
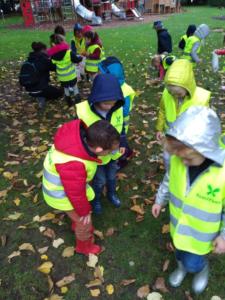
(69, 167)
(195, 188)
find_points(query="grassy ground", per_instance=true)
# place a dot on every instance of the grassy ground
(136, 250)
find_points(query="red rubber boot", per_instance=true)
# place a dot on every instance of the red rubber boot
(87, 247)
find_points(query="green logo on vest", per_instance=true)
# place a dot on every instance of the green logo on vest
(118, 119)
(211, 191)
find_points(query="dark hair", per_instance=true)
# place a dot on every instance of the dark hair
(60, 30)
(56, 39)
(102, 134)
(90, 35)
(38, 46)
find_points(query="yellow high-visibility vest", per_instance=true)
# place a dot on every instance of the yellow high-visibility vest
(65, 68)
(91, 65)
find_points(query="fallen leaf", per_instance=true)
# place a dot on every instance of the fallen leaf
(126, 282)
(138, 209)
(110, 231)
(215, 298)
(92, 283)
(9, 175)
(165, 265)
(36, 218)
(65, 280)
(47, 217)
(13, 217)
(188, 295)
(3, 240)
(14, 254)
(68, 252)
(92, 260)
(27, 246)
(57, 243)
(39, 174)
(64, 289)
(42, 228)
(42, 148)
(143, 291)
(139, 218)
(166, 228)
(17, 201)
(99, 272)
(121, 176)
(160, 285)
(3, 193)
(43, 250)
(110, 289)
(50, 284)
(44, 257)
(49, 233)
(95, 292)
(99, 234)
(35, 200)
(55, 297)
(45, 267)
(154, 296)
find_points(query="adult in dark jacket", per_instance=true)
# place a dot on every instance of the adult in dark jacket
(164, 38)
(42, 90)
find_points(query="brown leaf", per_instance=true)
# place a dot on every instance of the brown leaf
(43, 250)
(126, 282)
(3, 240)
(188, 295)
(68, 252)
(160, 285)
(47, 217)
(139, 218)
(27, 246)
(138, 209)
(166, 265)
(121, 176)
(55, 297)
(65, 280)
(166, 228)
(3, 193)
(99, 234)
(49, 233)
(92, 283)
(99, 272)
(50, 284)
(110, 231)
(13, 217)
(14, 254)
(143, 291)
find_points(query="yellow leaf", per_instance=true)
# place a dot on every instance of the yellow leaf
(17, 201)
(13, 217)
(50, 284)
(66, 280)
(55, 297)
(45, 267)
(47, 217)
(42, 148)
(93, 260)
(39, 174)
(44, 257)
(14, 254)
(57, 243)
(64, 290)
(110, 289)
(95, 292)
(9, 175)
(68, 252)
(27, 246)
(92, 283)
(138, 209)
(166, 228)
(99, 272)
(35, 200)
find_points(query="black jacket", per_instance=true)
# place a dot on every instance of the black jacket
(44, 65)
(164, 41)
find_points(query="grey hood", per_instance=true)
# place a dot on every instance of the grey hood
(199, 128)
(202, 31)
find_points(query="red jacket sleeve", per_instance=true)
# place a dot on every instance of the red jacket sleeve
(73, 176)
(220, 51)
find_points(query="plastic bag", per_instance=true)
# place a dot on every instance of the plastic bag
(215, 62)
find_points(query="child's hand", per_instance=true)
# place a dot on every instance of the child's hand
(219, 245)
(156, 209)
(86, 219)
(159, 135)
(122, 150)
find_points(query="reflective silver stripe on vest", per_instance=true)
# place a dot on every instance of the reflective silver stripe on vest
(198, 235)
(89, 64)
(176, 202)
(65, 68)
(173, 220)
(201, 214)
(67, 74)
(169, 124)
(52, 178)
(54, 194)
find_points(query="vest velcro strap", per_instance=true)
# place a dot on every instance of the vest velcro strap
(55, 194)
(198, 235)
(52, 178)
(201, 214)
(176, 202)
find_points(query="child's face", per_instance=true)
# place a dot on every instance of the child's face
(78, 34)
(106, 105)
(189, 156)
(176, 91)
(88, 41)
(156, 62)
(101, 152)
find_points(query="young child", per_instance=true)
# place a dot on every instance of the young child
(190, 31)
(69, 167)
(161, 63)
(193, 44)
(195, 188)
(78, 46)
(221, 52)
(164, 38)
(94, 51)
(64, 60)
(105, 102)
(112, 65)
(59, 29)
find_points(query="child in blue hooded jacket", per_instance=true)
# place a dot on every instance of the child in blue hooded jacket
(105, 102)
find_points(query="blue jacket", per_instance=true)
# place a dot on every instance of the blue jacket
(164, 41)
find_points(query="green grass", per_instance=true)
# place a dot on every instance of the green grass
(140, 243)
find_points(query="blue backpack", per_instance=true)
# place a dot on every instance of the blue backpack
(112, 65)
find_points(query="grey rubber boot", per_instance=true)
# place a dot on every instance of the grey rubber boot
(178, 275)
(200, 280)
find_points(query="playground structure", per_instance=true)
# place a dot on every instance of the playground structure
(36, 12)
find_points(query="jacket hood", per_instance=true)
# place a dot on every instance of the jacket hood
(199, 128)
(191, 29)
(181, 74)
(112, 65)
(57, 49)
(202, 31)
(68, 140)
(106, 88)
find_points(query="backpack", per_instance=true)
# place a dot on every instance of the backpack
(29, 75)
